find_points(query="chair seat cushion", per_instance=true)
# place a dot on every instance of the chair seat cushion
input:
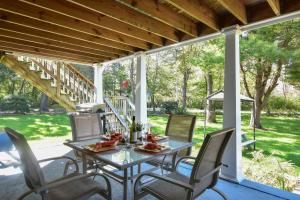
(169, 191)
(76, 189)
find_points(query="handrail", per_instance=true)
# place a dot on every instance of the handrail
(109, 104)
(80, 74)
(65, 77)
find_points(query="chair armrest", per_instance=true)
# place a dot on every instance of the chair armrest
(209, 173)
(166, 179)
(61, 157)
(67, 180)
(184, 158)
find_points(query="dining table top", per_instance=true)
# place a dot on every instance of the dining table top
(124, 156)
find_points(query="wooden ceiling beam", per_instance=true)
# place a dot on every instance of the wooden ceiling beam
(130, 16)
(48, 47)
(275, 5)
(39, 48)
(236, 8)
(37, 13)
(23, 50)
(21, 36)
(82, 44)
(165, 14)
(72, 10)
(43, 26)
(198, 11)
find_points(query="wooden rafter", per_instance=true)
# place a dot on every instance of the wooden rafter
(72, 24)
(33, 53)
(165, 14)
(275, 5)
(83, 14)
(37, 50)
(21, 36)
(48, 47)
(236, 8)
(82, 44)
(197, 10)
(40, 25)
(127, 15)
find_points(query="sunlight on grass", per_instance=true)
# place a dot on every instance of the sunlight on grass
(38, 126)
(281, 137)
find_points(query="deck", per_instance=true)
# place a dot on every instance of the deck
(12, 181)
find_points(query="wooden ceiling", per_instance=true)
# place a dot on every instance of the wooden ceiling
(91, 31)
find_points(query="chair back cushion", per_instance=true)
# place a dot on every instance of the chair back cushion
(85, 126)
(209, 158)
(181, 127)
(31, 169)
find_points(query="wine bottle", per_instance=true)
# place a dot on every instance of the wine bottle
(133, 131)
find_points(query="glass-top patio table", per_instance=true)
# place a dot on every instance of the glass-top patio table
(124, 158)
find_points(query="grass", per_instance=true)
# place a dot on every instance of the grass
(38, 126)
(281, 137)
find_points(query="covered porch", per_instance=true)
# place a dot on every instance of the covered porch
(102, 33)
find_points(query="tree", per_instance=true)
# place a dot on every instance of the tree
(184, 57)
(264, 54)
(210, 59)
(160, 76)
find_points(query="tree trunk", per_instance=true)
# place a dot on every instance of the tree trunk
(184, 91)
(211, 116)
(153, 102)
(256, 122)
(21, 91)
(44, 104)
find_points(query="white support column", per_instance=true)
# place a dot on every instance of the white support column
(232, 105)
(98, 82)
(141, 89)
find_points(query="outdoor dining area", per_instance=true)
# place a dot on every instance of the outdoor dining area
(111, 156)
(102, 163)
(157, 166)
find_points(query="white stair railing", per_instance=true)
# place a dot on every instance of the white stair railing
(123, 106)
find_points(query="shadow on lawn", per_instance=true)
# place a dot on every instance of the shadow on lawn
(38, 126)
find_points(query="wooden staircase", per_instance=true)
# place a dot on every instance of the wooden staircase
(60, 81)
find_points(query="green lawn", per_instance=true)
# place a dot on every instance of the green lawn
(282, 137)
(38, 126)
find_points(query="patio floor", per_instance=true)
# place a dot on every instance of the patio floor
(12, 181)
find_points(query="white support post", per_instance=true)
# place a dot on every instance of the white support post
(232, 159)
(141, 90)
(98, 82)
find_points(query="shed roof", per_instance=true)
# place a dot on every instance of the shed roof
(219, 96)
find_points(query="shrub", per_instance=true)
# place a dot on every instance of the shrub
(17, 104)
(272, 171)
(169, 106)
(284, 104)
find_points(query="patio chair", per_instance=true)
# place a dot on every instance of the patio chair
(71, 187)
(85, 126)
(179, 127)
(204, 175)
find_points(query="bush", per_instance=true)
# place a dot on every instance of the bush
(170, 106)
(284, 104)
(272, 171)
(13, 103)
